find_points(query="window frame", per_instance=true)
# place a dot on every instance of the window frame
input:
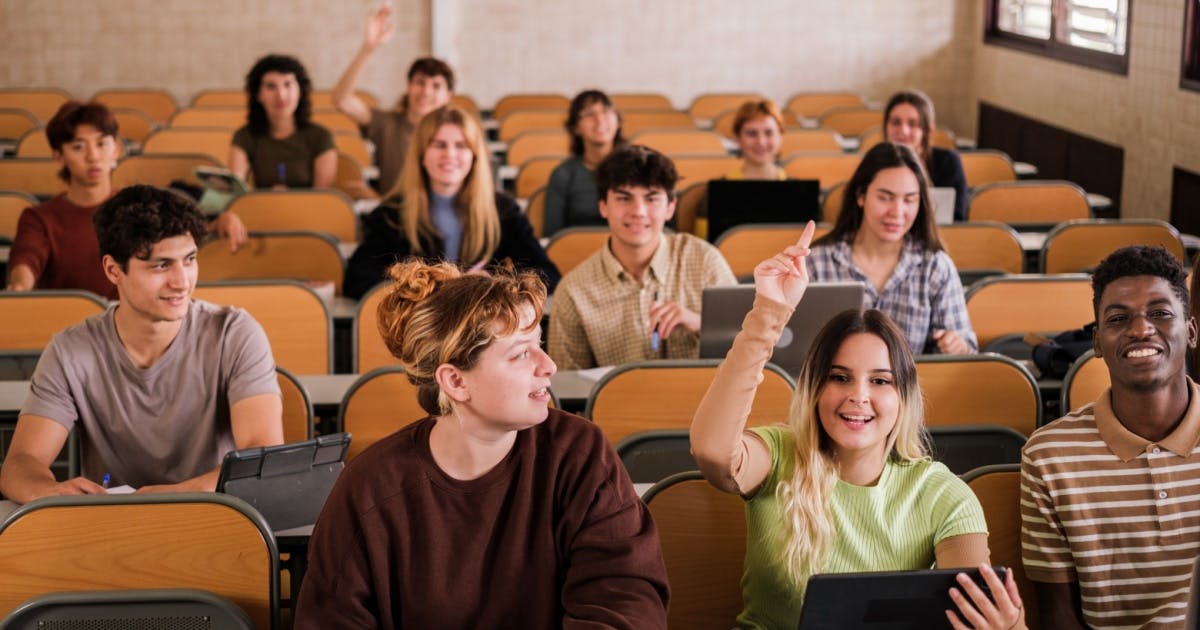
(1189, 77)
(1055, 49)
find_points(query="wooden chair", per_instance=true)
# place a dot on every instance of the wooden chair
(682, 142)
(297, 407)
(828, 168)
(133, 125)
(651, 456)
(703, 536)
(231, 97)
(161, 170)
(1086, 380)
(207, 541)
(352, 144)
(634, 101)
(635, 122)
(538, 143)
(984, 166)
(28, 319)
(808, 141)
(334, 120)
(466, 103)
(295, 255)
(12, 204)
(41, 102)
(850, 121)
(326, 211)
(521, 121)
(813, 104)
(157, 105)
(536, 212)
(693, 169)
(979, 246)
(534, 174)
(369, 350)
(1041, 202)
(228, 118)
(213, 142)
(831, 203)
(744, 246)
(979, 389)
(296, 321)
(571, 246)
(351, 178)
(378, 404)
(1080, 245)
(15, 123)
(618, 402)
(705, 107)
(688, 204)
(35, 176)
(998, 489)
(515, 102)
(1002, 305)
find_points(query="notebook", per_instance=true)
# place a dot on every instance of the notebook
(734, 202)
(722, 310)
(884, 600)
(943, 198)
(288, 483)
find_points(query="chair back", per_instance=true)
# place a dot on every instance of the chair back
(521, 121)
(351, 178)
(571, 246)
(943, 138)
(969, 446)
(534, 174)
(829, 168)
(296, 321)
(12, 204)
(744, 246)
(850, 121)
(41, 102)
(514, 102)
(28, 319)
(352, 144)
(809, 140)
(831, 203)
(618, 402)
(227, 118)
(378, 404)
(651, 456)
(1080, 245)
(334, 120)
(326, 211)
(969, 389)
(636, 122)
(1002, 305)
(535, 212)
(701, 168)
(466, 103)
(370, 351)
(705, 107)
(1039, 202)
(634, 101)
(304, 256)
(813, 104)
(687, 208)
(15, 123)
(133, 125)
(998, 489)
(1086, 380)
(673, 142)
(538, 143)
(205, 541)
(157, 105)
(984, 166)
(35, 176)
(230, 97)
(35, 144)
(161, 170)
(297, 407)
(983, 245)
(703, 536)
(213, 142)
(139, 608)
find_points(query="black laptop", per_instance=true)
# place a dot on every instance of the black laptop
(736, 202)
(884, 600)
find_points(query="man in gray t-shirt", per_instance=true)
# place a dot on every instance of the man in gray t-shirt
(159, 387)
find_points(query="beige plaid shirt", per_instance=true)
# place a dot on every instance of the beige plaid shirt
(600, 313)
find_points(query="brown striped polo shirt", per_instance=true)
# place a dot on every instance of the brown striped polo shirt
(1116, 512)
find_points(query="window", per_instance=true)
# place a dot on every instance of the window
(1191, 47)
(1089, 32)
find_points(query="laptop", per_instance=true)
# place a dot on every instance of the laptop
(943, 198)
(722, 310)
(288, 483)
(734, 202)
(884, 600)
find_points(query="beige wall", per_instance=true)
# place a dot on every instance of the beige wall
(1146, 112)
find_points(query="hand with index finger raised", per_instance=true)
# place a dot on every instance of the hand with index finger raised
(784, 277)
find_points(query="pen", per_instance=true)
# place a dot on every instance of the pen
(654, 337)
(107, 479)
(281, 174)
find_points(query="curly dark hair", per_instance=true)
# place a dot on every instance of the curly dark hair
(1141, 260)
(283, 64)
(636, 165)
(132, 221)
(61, 128)
(582, 101)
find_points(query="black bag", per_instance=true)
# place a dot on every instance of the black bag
(1054, 356)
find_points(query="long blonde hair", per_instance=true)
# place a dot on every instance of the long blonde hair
(475, 201)
(808, 531)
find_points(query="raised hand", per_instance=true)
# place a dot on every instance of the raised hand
(784, 276)
(380, 28)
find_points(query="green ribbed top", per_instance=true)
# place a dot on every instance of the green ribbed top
(891, 526)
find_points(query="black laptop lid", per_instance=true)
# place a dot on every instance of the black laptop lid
(736, 202)
(883, 601)
(287, 484)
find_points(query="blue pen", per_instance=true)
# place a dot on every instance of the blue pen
(654, 336)
(104, 482)
(281, 174)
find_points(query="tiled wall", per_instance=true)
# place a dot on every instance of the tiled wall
(1146, 113)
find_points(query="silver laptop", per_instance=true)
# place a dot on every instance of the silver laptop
(722, 310)
(943, 198)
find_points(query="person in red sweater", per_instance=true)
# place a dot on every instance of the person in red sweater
(55, 246)
(493, 511)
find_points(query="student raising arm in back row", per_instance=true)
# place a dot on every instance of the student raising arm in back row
(847, 480)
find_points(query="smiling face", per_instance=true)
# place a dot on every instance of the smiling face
(448, 160)
(159, 287)
(890, 205)
(426, 93)
(905, 126)
(1142, 333)
(860, 403)
(760, 140)
(636, 215)
(597, 124)
(89, 157)
(509, 384)
(279, 94)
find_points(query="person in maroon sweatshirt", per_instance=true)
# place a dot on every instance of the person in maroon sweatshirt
(494, 511)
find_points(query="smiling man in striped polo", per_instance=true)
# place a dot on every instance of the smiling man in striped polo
(1110, 494)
